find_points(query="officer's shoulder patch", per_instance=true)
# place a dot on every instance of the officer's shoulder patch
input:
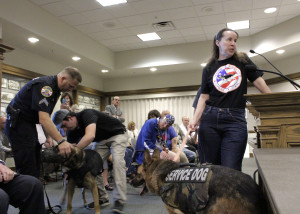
(47, 91)
(188, 175)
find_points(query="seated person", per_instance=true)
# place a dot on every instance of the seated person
(5, 149)
(22, 191)
(192, 140)
(156, 133)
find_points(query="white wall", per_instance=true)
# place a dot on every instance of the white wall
(32, 62)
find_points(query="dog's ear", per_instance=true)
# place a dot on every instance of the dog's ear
(147, 157)
(156, 154)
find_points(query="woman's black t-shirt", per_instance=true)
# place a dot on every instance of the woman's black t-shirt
(226, 83)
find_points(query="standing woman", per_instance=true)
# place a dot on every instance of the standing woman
(221, 107)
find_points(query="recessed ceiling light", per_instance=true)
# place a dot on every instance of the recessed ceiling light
(203, 64)
(76, 58)
(153, 69)
(148, 36)
(238, 25)
(104, 71)
(33, 39)
(270, 10)
(280, 51)
(105, 3)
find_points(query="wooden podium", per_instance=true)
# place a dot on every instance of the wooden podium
(279, 114)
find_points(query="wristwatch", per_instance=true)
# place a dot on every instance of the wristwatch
(2, 162)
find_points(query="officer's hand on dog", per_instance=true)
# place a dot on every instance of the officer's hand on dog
(65, 149)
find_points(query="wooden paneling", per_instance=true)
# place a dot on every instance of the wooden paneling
(279, 114)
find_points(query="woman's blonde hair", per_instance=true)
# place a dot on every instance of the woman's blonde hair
(130, 124)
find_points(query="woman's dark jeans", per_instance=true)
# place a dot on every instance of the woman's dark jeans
(223, 136)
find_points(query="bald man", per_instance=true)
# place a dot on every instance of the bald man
(114, 110)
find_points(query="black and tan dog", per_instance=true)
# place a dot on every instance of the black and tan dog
(208, 189)
(84, 166)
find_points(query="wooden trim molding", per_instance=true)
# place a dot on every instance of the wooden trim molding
(19, 72)
(29, 75)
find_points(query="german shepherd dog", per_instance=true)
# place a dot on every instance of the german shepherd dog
(208, 189)
(84, 166)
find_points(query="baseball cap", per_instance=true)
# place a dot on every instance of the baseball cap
(170, 119)
(59, 116)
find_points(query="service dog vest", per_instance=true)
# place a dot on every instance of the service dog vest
(186, 189)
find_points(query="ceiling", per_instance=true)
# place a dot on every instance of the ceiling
(116, 27)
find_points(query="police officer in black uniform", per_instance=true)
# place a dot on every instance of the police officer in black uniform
(33, 105)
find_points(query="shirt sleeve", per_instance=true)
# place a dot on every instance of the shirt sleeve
(195, 103)
(252, 76)
(148, 137)
(204, 85)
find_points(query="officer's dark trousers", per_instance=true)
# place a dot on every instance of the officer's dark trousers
(25, 147)
(24, 192)
(223, 136)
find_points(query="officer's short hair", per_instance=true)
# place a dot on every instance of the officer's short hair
(73, 73)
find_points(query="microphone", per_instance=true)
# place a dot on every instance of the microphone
(252, 51)
(253, 68)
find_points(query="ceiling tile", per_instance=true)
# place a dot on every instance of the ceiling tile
(289, 9)
(281, 19)
(192, 31)
(154, 17)
(147, 6)
(130, 21)
(209, 9)
(213, 29)
(122, 10)
(169, 34)
(238, 16)
(175, 3)
(187, 23)
(206, 1)
(195, 38)
(237, 5)
(42, 2)
(117, 33)
(59, 8)
(141, 29)
(259, 14)
(89, 28)
(262, 23)
(244, 32)
(173, 41)
(212, 20)
(182, 13)
(155, 43)
(83, 5)
(129, 39)
(97, 15)
(99, 36)
(75, 19)
(265, 3)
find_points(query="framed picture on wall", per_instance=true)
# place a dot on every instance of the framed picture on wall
(4, 83)
(7, 97)
(12, 84)
(3, 111)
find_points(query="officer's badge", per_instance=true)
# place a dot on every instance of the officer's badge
(44, 101)
(46, 91)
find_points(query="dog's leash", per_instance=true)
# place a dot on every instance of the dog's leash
(50, 208)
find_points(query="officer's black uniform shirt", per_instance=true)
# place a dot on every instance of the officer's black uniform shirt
(39, 94)
(106, 126)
